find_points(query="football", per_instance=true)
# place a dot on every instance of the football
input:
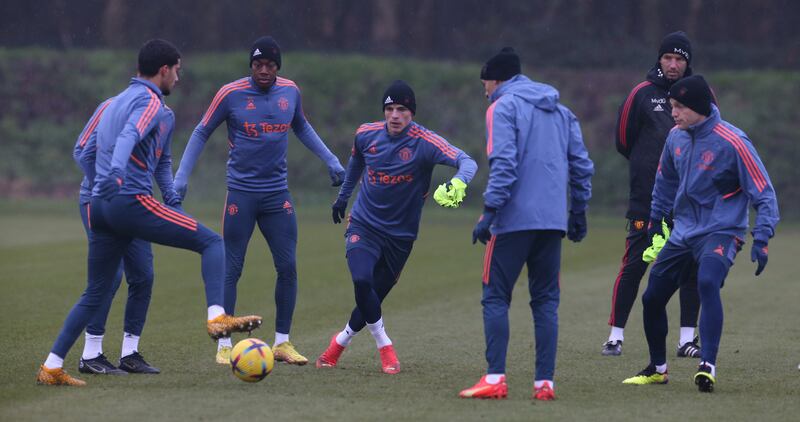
(251, 360)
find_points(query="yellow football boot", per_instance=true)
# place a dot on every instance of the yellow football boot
(648, 375)
(285, 352)
(57, 376)
(224, 325)
(224, 356)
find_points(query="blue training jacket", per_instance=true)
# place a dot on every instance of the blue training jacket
(134, 136)
(87, 141)
(398, 175)
(535, 149)
(708, 174)
(258, 132)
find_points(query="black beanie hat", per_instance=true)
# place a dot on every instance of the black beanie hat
(502, 67)
(676, 43)
(266, 48)
(401, 93)
(693, 92)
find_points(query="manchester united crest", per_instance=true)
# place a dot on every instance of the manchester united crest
(707, 157)
(405, 154)
(283, 103)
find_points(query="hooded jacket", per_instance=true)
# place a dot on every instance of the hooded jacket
(709, 174)
(536, 151)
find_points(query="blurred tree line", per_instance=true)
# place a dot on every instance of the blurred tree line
(48, 95)
(573, 33)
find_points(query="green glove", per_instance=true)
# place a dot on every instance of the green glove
(651, 253)
(451, 194)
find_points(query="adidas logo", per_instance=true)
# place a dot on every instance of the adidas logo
(257, 52)
(388, 100)
(658, 108)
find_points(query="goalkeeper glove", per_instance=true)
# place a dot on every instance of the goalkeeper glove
(451, 194)
(657, 242)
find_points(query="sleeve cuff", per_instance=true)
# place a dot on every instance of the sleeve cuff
(760, 237)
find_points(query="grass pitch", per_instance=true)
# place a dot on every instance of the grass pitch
(433, 315)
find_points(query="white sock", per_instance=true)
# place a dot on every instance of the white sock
(540, 383)
(379, 334)
(280, 338)
(687, 335)
(494, 378)
(345, 336)
(215, 311)
(53, 361)
(92, 346)
(713, 368)
(130, 344)
(661, 369)
(224, 342)
(617, 334)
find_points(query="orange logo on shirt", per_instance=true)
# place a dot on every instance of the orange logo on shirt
(250, 104)
(638, 224)
(252, 129)
(381, 178)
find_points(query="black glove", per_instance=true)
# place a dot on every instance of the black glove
(481, 231)
(109, 186)
(654, 228)
(759, 253)
(338, 209)
(576, 226)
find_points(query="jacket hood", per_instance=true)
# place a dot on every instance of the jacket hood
(541, 95)
(656, 76)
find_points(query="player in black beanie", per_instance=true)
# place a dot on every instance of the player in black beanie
(266, 48)
(643, 123)
(692, 93)
(502, 66)
(677, 43)
(399, 92)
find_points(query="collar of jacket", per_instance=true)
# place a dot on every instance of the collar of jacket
(706, 126)
(148, 84)
(502, 89)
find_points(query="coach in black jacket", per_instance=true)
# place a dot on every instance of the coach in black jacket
(642, 127)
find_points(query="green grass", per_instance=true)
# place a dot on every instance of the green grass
(433, 316)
